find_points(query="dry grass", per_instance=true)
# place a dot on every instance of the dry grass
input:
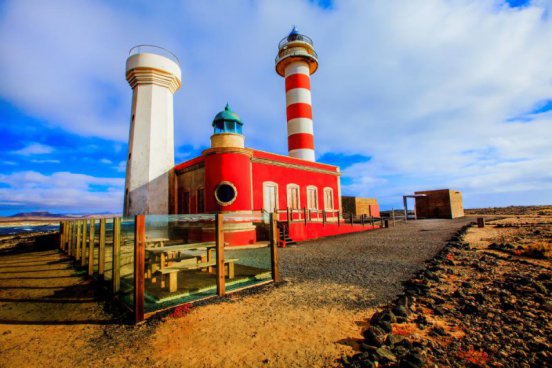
(475, 357)
(404, 329)
(538, 249)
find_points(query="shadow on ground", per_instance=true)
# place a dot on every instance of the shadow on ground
(39, 286)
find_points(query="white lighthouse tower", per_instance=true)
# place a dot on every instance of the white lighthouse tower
(154, 75)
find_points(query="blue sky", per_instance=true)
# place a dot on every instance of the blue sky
(408, 96)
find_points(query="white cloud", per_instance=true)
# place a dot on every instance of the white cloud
(46, 161)
(106, 161)
(424, 88)
(121, 167)
(62, 191)
(34, 149)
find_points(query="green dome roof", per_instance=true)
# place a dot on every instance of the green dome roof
(227, 121)
(227, 115)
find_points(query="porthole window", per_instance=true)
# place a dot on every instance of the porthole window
(225, 193)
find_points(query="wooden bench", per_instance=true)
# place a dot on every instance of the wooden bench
(186, 265)
(157, 257)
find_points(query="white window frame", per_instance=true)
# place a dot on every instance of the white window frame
(277, 199)
(288, 195)
(331, 195)
(309, 204)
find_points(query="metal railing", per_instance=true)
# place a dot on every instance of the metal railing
(293, 38)
(295, 51)
(152, 49)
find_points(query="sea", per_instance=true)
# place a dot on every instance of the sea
(25, 229)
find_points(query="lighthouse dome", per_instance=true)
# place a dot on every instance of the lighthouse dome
(227, 121)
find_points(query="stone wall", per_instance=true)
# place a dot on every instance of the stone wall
(457, 208)
(443, 203)
(360, 206)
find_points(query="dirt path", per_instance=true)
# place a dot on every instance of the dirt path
(311, 320)
(45, 308)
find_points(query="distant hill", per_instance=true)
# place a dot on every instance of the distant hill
(49, 215)
(37, 214)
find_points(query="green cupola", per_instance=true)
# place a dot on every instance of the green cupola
(227, 121)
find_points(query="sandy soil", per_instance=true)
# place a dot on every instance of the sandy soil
(50, 315)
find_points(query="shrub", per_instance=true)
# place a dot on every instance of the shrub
(476, 357)
(181, 311)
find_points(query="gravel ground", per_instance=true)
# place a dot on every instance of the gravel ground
(363, 270)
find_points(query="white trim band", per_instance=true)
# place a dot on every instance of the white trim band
(298, 95)
(303, 153)
(297, 67)
(299, 125)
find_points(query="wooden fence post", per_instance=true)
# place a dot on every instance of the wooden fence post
(274, 240)
(116, 269)
(288, 215)
(84, 239)
(372, 221)
(60, 244)
(66, 237)
(101, 248)
(70, 239)
(351, 219)
(305, 214)
(219, 236)
(393, 213)
(139, 266)
(338, 218)
(91, 247)
(78, 242)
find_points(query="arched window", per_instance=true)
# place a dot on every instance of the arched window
(293, 197)
(328, 199)
(312, 197)
(270, 196)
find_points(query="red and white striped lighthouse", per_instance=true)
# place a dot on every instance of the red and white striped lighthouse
(296, 61)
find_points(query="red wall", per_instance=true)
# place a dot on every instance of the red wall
(232, 167)
(298, 231)
(288, 175)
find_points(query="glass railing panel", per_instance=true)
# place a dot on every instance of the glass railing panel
(247, 261)
(126, 252)
(96, 246)
(179, 260)
(108, 252)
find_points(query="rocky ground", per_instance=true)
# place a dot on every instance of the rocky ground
(471, 306)
(511, 211)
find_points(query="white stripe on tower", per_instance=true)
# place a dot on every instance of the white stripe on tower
(299, 125)
(299, 111)
(298, 95)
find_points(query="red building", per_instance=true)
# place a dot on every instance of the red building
(233, 179)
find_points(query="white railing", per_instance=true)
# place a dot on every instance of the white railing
(152, 49)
